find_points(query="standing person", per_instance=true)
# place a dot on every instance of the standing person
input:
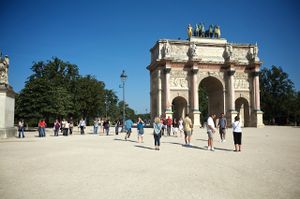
(21, 128)
(180, 126)
(140, 129)
(101, 126)
(169, 126)
(211, 129)
(56, 127)
(157, 126)
(222, 127)
(237, 134)
(96, 125)
(117, 126)
(128, 126)
(187, 127)
(71, 125)
(42, 125)
(175, 127)
(164, 125)
(64, 127)
(106, 125)
(82, 126)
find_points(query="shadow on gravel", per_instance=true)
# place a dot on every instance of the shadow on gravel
(221, 149)
(118, 139)
(144, 147)
(204, 140)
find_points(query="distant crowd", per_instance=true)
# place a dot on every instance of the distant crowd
(161, 127)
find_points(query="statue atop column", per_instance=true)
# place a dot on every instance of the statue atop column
(190, 31)
(253, 53)
(227, 55)
(166, 49)
(4, 63)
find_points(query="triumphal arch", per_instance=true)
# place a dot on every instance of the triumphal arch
(228, 71)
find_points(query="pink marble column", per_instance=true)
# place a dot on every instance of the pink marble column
(231, 89)
(195, 89)
(159, 90)
(256, 90)
(167, 89)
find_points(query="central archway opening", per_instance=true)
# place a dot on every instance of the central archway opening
(211, 97)
(179, 107)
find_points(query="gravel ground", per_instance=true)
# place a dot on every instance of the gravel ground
(92, 166)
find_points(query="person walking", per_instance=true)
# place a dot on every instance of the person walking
(106, 125)
(21, 128)
(187, 127)
(222, 127)
(140, 129)
(180, 126)
(96, 125)
(157, 127)
(56, 127)
(82, 126)
(211, 129)
(128, 126)
(169, 126)
(65, 127)
(71, 125)
(237, 134)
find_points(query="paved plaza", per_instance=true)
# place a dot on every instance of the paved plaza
(92, 166)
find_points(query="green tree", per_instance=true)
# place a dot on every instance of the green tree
(88, 97)
(277, 92)
(203, 103)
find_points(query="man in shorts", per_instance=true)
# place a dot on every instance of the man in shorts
(211, 129)
(187, 127)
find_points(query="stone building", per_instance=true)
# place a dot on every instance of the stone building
(7, 101)
(229, 72)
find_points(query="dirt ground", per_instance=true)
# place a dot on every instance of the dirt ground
(92, 166)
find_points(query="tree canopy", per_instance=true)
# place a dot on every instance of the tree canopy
(279, 100)
(57, 90)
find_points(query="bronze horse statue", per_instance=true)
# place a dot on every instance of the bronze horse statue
(209, 32)
(217, 31)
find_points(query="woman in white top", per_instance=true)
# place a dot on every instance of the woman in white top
(237, 134)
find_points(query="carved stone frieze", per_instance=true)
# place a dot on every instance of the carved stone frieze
(241, 81)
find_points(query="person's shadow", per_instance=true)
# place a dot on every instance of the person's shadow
(144, 147)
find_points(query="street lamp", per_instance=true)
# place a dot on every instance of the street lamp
(123, 77)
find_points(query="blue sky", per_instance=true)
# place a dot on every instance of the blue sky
(105, 37)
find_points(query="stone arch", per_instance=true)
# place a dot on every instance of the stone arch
(215, 95)
(243, 109)
(179, 107)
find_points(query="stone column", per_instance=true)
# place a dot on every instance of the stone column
(231, 89)
(231, 112)
(159, 90)
(195, 98)
(168, 108)
(256, 89)
(258, 114)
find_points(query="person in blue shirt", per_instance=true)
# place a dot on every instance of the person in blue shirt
(128, 126)
(140, 130)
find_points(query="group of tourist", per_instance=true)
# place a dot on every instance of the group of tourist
(161, 126)
(186, 126)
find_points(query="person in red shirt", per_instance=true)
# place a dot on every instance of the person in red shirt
(42, 125)
(169, 125)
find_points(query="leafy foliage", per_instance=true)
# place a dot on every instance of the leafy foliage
(278, 97)
(56, 90)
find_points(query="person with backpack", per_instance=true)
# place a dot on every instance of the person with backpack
(56, 127)
(157, 126)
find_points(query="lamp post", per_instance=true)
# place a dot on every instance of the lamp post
(123, 77)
